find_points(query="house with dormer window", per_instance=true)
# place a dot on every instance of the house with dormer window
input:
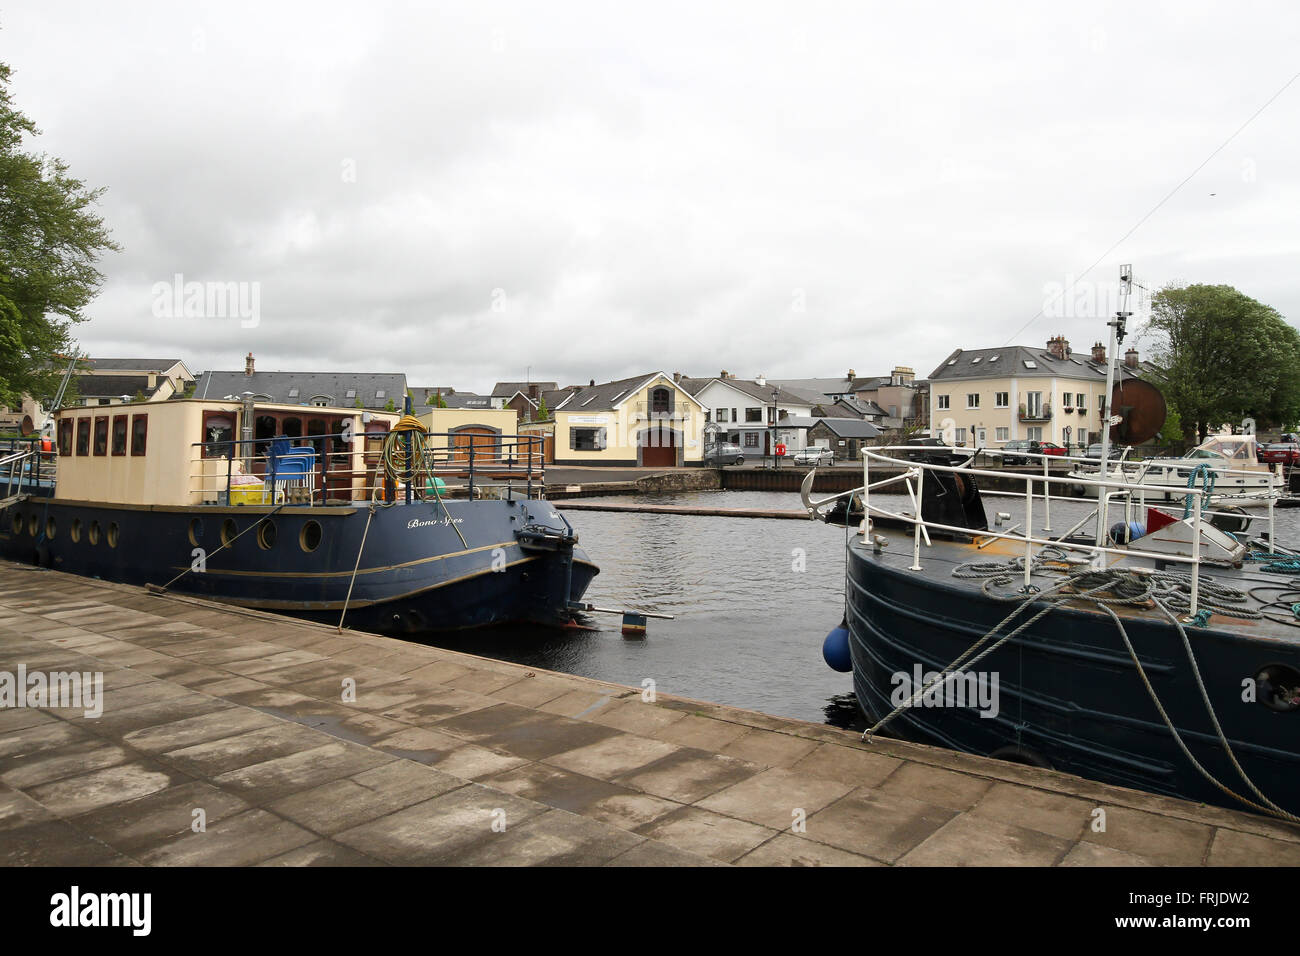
(991, 396)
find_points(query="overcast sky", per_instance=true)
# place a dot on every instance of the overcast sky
(463, 191)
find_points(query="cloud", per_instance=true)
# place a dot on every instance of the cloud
(463, 192)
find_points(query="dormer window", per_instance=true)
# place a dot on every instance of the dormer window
(379, 393)
(293, 392)
(975, 360)
(352, 393)
(1030, 363)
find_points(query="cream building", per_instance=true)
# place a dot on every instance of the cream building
(993, 396)
(648, 420)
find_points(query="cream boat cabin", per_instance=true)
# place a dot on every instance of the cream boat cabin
(335, 514)
(161, 453)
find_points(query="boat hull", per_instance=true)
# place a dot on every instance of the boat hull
(413, 571)
(1068, 695)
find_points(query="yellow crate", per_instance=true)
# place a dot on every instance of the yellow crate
(246, 494)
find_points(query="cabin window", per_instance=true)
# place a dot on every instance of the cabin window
(65, 437)
(101, 436)
(139, 434)
(83, 436)
(218, 427)
(119, 434)
(292, 428)
(587, 439)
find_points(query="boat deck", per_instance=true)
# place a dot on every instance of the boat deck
(1270, 594)
(447, 758)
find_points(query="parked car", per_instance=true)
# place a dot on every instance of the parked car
(1094, 452)
(813, 455)
(1051, 448)
(724, 453)
(1286, 453)
(1019, 452)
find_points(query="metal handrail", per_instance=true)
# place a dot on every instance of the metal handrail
(1107, 488)
(516, 458)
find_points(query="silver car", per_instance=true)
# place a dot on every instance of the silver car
(813, 456)
(724, 453)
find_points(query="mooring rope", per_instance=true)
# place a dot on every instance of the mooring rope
(1161, 589)
(351, 581)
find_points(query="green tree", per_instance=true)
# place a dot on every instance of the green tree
(50, 241)
(543, 413)
(390, 406)
(1223, 357)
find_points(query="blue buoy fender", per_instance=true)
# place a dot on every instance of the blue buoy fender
(835, 650)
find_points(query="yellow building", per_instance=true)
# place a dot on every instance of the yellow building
(991, 396)
(648, 420)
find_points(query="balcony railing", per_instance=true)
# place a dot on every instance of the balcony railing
(1043, 414)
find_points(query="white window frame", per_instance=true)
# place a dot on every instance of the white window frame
(1001, 399)
(943, 401)
(972, 399)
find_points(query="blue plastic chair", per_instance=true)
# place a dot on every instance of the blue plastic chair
(289, 467)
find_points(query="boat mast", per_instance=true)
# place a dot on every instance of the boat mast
(1116, 338)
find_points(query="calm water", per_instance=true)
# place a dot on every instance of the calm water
(753, 600)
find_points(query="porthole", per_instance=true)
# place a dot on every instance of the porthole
(94, 532)
(196, 532)
(18, 523)
(228, 532)
(266, 534)
(75, 529)
(50, 528)
(112, 534)
(32, 524)
(309, 537)
(1277, 687)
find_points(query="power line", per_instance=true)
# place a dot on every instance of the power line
(1157, 206)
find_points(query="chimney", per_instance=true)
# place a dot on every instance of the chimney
(760, 381)
(248, 365)
(592, 383)
(1059, 347)
(723, 375)
(677, 378)
(1099, 353)
(533, 390)
(852, 375)
(1131, 358)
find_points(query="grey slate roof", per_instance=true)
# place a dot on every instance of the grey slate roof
(1009, 361)
(130, 364)
(842, 427)
(850, 427)
(815, 390)
(507, 389)
(603, 396)
(114, 386)
(750, 388)
(330, 386)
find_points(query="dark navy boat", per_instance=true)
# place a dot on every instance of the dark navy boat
(338, 515)
(1199, 665)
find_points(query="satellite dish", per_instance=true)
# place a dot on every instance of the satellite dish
(1141, 409)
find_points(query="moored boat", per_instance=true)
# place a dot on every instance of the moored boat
(1156, 651)
(334, 514)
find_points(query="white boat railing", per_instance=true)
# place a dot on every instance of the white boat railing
(1106, 490)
